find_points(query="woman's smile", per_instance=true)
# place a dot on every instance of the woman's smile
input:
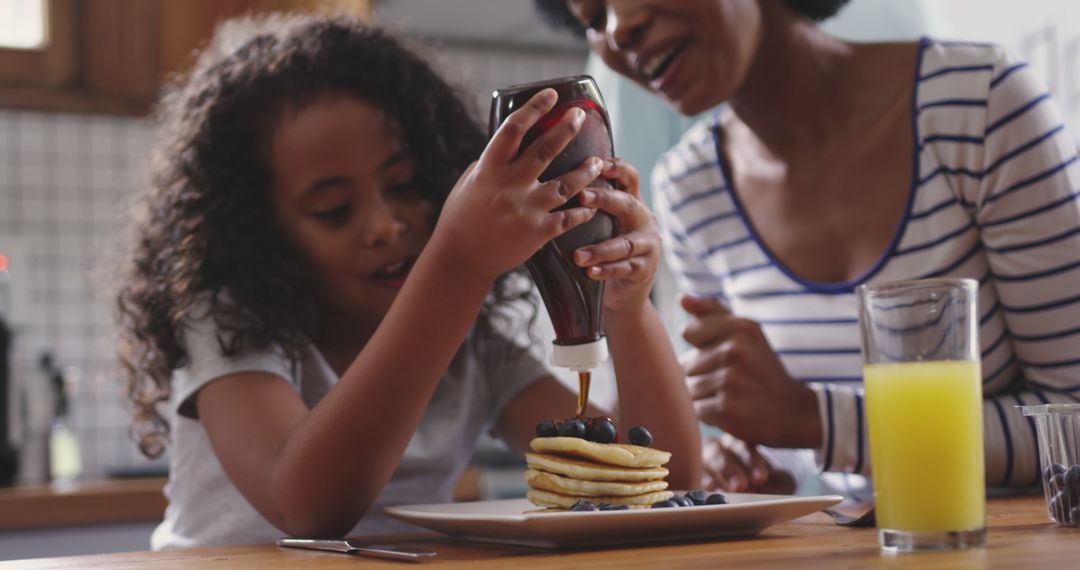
(662, 71)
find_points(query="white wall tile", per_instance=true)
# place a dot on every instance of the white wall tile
(60, 189)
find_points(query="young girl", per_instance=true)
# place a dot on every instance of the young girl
(323, 345)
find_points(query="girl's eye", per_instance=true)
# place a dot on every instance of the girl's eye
(335, 214)
(406, 189)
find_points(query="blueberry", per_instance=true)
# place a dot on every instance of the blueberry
(664, 504)
(1061, 506)
(683, 501)
(716, 499)
(607, 507)
(640, 436)
(583, 505)
(1072, 478)
(1074, 515)
(1055, 469)
(603, 431)
(1057, 483)
(697, 497)
(573, 428)
(546, 428)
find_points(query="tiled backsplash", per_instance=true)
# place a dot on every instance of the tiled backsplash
(64, 182)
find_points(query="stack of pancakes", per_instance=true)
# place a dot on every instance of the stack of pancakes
(565, 470)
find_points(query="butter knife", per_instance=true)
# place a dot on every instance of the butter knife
(354, 547)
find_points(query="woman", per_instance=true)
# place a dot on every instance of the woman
(836, 164)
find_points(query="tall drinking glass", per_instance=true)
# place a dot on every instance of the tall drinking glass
(920, 347)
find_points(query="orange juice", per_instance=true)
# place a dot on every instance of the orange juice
(926, 449)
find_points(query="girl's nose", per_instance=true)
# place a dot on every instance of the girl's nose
(381, 224)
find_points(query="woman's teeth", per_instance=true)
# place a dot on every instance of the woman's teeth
(659, 62)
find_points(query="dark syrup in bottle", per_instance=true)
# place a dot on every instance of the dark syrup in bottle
(573, 300)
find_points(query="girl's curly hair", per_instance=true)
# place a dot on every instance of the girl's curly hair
(203, 229)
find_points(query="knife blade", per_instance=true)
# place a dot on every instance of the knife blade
(354, 547)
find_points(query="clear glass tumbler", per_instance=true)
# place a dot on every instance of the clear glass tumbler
(921, 371)
(1057, 427)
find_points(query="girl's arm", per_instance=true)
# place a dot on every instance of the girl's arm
(315, 472)
(652, 392)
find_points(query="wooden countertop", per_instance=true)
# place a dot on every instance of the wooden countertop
(1020, 536)
(117, 500)
(96, 502)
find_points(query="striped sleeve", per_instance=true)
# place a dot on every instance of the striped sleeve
(684, 258)
(1027, 209)
(845, 445)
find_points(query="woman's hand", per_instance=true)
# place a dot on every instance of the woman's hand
(498, 214)
(736, 466)
(739, 384)
(628, 261)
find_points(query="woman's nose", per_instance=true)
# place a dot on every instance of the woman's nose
(626, 22)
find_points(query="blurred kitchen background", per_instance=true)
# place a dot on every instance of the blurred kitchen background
(77, 81)
(65, 178)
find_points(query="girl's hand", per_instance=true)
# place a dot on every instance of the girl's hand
(628, 261)
(738, 383)
(734, 465)
(498, 214)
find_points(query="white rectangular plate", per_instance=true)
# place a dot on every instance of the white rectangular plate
(510, 522)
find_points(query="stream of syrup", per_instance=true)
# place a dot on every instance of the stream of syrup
(584, 378)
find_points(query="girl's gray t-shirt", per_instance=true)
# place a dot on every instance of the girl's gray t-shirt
(206, 509)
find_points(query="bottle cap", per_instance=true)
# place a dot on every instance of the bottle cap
(580, 357)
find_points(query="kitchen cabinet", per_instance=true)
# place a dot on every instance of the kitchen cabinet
(79, 518)
(113, 56)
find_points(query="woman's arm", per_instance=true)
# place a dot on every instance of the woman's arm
(1020, 183)
(1027, 209)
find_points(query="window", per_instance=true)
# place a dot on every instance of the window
(36, 42)
(22, 24)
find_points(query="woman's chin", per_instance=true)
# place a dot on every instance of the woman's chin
(689, 107)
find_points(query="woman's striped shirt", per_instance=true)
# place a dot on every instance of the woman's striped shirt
(994, 197)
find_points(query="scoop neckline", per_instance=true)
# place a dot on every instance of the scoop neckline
(837, 286)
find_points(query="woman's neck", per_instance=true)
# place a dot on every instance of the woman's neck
(803, 87)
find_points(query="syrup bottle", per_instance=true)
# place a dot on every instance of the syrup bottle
(573, 300)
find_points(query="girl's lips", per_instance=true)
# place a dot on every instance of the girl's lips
(393, 276)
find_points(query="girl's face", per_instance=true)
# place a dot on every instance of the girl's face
(692, 53)
(343, 196)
